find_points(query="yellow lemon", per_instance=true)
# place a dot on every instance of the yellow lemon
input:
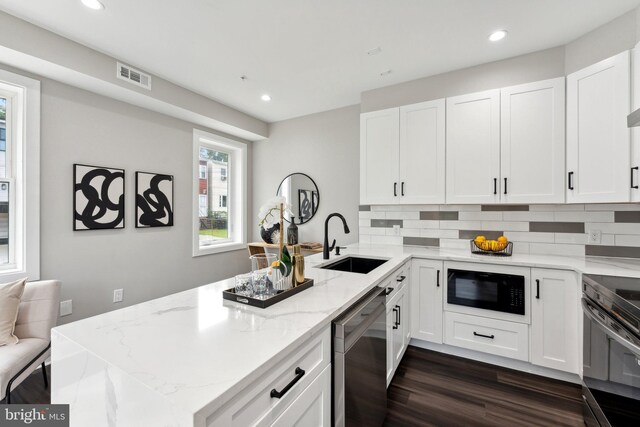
(275, 264)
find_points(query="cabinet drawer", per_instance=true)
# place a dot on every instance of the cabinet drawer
(493, 336)
(255, 406)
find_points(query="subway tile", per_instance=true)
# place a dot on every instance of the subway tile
(557, 227)
(418, 208)
(454, 244)
(387, 240)
(403, 215)
(518, 236)
(573, 238)
(364, 208)
(586, 216)
(448, 234)
(364, 222)
(387, 223)
(409, 223)
(421, 241)
(554, 208)
(505, 225)
(614, 227)
(627, 216)
(613, 251)
(528, 216)
(607, 239)
(437, 216)
(461, 225)
(364, 215)
(613, 207)
(460, 208)
(472, 234)
(627, 240)
(479, 216)
(410, 232)
(556, 249)
(504, 208)
(520, 248)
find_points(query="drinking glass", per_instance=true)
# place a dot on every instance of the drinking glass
(263, 274)
(244, 284)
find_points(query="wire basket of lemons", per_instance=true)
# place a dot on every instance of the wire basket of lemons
(499, 247)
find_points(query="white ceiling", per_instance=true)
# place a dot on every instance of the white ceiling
(310, 55)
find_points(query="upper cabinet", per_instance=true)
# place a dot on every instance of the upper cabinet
(402, 154)
(473, 148)
(598, 140)
(532, 159)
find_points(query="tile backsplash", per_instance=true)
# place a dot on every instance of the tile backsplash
(534, 229)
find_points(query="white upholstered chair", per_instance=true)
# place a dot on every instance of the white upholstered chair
(38, 313)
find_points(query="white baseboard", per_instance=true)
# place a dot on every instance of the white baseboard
(505, 362)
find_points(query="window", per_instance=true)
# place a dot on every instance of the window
(203, 171)
(220, 215)
(19, 177)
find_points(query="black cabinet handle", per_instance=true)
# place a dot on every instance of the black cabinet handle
(633, 169)
(505, 186)
(537, 288)
(401, 279)
(570, 179)
(399, 315)
(278, 394)
(438, 278)
(395, 189)
(495, 185)
(389, 290)
(395, 322)
(402, 188)
(483, 336)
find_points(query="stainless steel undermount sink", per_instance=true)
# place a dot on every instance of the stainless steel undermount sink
(354, 264)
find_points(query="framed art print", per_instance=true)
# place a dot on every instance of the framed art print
(98, 198)
(154, 200)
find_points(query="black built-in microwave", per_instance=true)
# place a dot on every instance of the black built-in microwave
(489, 291)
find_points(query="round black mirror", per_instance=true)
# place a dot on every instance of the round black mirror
(302, 194)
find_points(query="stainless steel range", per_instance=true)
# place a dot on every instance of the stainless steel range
(611, 368)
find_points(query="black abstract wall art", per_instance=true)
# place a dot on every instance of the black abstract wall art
(154, 200)
(98, 197)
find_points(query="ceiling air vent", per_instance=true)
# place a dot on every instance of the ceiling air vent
(134, 76)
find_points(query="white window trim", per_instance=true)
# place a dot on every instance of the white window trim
(236, 205)
(26, 128)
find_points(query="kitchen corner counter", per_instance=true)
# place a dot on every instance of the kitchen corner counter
(176, 360)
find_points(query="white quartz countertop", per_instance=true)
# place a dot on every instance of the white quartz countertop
(197, 350)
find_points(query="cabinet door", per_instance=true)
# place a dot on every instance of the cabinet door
(312, 407)
(635, 132)
(426, 300)
(532, 142)
(422, 150)
(598, 102)
(391, 322)
(379, 156)
(554, 319)
(473, 148)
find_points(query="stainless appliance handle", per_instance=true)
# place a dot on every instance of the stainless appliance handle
(586, 308)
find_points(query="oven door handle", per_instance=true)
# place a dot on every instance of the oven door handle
(586, 308)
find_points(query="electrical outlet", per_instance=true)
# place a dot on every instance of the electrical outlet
(594, 236)
(396, 230)
(118, 295)
(65, 307)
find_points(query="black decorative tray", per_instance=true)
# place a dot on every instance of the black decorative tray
(507, 251)
(231, 295)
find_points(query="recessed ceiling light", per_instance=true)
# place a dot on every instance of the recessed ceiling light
(266, 97)
(498, 35)
(93, 4)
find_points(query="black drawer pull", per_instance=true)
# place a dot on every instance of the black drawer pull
(388, 291)
(484, 336)
(402, 189)
(495, 185)
(633, 169)
(537, 288)
(570, 179)
(395, 189)
(437, 278)
(278, 394)
(401, 278)
(399, 315)
(505, 186)
(395, 323)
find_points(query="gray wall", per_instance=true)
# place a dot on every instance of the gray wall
(326, 147)
(81, 127)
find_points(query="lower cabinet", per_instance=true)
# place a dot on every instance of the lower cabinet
(398, 330)
(427, 285)
(312, 407)
(555, 302)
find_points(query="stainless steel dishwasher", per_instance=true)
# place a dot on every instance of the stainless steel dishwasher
(360, 363)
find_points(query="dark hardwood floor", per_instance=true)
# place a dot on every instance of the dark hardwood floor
(435, 389)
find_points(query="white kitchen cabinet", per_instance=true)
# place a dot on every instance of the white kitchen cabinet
(422, 153)
(532, 142)
(555, 311)
(398, 329)
(426, 300)
(312, 407)
(402, 154)
(473, 148)
(379, 156)
(635, 132)
(598, 140)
